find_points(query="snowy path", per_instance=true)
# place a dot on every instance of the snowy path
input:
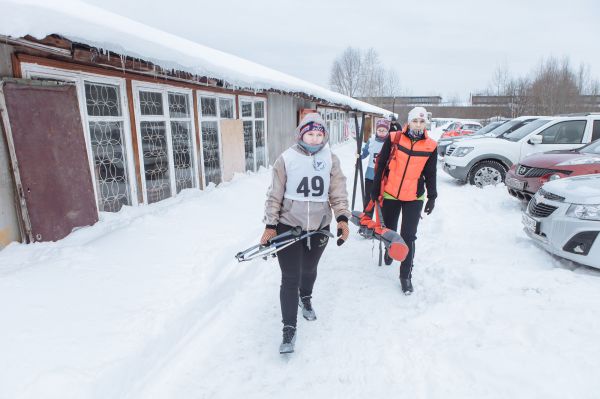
(151, 304)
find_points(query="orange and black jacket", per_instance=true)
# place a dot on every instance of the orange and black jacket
(407, 171)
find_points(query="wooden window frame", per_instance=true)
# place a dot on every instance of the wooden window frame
(31, 70)
(217, 118)
(254, 99)
(164, 89)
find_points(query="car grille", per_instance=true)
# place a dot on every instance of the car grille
(550, 196)
(450, 150)
(529, 171)
(539, 209)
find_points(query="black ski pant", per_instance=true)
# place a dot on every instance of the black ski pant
(368, 188)
(298, 265)
(411, 214)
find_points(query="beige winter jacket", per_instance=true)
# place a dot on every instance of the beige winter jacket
(306, 214)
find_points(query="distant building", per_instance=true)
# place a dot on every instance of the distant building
(401, 101)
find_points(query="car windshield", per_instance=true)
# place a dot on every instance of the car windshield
(488, 128)
(525, 130)
(592, 148)
(508, 127)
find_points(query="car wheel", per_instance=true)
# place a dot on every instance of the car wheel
(487, 173)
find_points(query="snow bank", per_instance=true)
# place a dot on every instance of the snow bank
(84, 23)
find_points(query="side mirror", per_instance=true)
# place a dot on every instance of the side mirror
(537, 139)
(444, 130)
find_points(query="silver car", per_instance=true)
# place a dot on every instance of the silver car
(564, 218)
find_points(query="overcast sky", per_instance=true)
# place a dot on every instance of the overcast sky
(448, 48)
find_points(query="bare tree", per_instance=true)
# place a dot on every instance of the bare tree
(554, 87)
(500, 79)
(393, 86)
(359, 73)
(518, 91)
(346, 72)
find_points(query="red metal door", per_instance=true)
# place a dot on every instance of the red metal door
(49, 157)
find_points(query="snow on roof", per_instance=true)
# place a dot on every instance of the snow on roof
(96, 27)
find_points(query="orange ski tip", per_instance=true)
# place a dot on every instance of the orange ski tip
(398, 251)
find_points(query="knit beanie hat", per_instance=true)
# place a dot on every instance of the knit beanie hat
(312, 121)
(417, 112)
(382, 123)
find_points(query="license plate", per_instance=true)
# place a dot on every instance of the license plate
(530, 223)
(514, 183)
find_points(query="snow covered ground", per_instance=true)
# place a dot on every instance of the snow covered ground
(150, 303)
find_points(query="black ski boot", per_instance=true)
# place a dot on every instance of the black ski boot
(387, 259)
(307, 309)
(289, 339)
(406, 284)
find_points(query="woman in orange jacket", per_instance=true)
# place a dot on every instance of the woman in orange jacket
(405, 174)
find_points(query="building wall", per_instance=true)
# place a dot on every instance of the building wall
(9, 225)
(282, 118)
(5, 60)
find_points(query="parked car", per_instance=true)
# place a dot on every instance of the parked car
(525, 178)
(500, 131)
(461, 129)
(444, 143)
(564, 218)
(485, 161)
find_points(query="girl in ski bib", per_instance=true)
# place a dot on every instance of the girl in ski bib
(307, 184)
(406, 167)
(371, 149)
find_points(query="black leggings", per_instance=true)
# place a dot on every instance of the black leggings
(368, 188)
(298, 266)
(411, 214)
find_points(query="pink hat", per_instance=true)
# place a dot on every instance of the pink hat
(382, 123)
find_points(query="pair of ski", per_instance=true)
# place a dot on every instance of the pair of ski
(279, 242)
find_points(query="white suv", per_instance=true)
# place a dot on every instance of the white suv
(485, 161)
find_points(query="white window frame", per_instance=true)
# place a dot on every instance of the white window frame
(138, 86)
(253, 99)
(30, 71)
(218, 119)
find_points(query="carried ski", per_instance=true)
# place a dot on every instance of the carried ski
(391, 240)
(277, 243)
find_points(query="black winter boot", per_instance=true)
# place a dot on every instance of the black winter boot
(289, 339)
(406, 284)
(307, 310)
(387, 259)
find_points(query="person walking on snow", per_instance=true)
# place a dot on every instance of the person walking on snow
(371, 149)
(406, 167)
(307, 184)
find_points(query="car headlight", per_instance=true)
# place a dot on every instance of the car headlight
(462, 151)
(587, 212)
(555, 176)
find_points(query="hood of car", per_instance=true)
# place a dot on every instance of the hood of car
(583, 189)
(556, 159)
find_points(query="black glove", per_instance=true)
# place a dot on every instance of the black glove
(429, 206)
(342, 231)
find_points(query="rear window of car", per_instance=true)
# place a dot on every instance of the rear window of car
(596, 131)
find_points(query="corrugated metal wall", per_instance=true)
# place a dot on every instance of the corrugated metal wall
(9, 227)
(282, 118)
